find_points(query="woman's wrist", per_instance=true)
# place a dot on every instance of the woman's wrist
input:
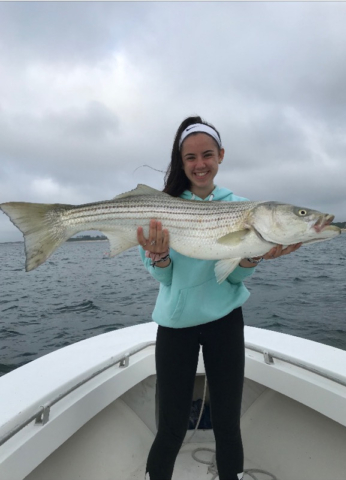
(250, 262)
(158, 259)
(163, 263)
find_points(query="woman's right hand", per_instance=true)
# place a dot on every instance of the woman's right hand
(158, 241)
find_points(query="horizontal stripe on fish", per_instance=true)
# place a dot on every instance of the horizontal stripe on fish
(226, 231)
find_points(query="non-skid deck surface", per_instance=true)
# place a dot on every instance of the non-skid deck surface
(186, 467)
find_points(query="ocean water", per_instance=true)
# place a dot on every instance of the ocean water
(80, 292)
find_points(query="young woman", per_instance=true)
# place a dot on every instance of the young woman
(193, 310)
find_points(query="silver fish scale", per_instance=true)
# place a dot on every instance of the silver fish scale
(195, 219)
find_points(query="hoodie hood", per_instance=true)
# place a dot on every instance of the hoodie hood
(218, 193)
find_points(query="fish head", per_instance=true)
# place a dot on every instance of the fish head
(286, 224)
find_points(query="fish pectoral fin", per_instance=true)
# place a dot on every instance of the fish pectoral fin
(140, 190)
(233, 238)
(224, 267)
(118, 242)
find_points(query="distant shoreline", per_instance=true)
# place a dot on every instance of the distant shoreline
(87, 239)
(78, 239)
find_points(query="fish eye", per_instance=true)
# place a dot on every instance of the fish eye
(302, 212)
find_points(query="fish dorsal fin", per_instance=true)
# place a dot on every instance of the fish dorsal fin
(224, 267)
(140, 190)
(233, 238)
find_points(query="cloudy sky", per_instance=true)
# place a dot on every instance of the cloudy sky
(91, 92)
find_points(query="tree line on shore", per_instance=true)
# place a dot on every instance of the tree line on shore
(86, 238)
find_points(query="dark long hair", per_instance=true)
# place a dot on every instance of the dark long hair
(175, 179)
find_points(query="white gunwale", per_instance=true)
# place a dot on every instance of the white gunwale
(25, 390)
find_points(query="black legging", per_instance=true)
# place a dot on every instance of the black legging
(177, 351)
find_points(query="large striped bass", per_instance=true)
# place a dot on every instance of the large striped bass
(223, 231)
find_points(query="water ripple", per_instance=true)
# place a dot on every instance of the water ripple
(84, 306)
(76, 295)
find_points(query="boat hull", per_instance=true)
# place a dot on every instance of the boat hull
(96, 410)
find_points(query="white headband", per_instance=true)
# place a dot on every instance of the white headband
(199, 128)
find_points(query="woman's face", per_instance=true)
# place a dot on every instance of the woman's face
(201, 158)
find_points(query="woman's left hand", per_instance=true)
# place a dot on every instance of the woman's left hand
(278, 251)
(275, 252)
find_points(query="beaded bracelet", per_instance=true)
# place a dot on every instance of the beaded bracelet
(157, 257)
(155, 262)
(252, 260)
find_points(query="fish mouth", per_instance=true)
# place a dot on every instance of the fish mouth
(323, 222)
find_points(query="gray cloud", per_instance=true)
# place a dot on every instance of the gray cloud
(92, 91)
(67, 32)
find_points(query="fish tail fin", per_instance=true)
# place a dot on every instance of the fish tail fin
(42, 226)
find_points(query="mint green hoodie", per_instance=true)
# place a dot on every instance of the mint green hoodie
(189, 294)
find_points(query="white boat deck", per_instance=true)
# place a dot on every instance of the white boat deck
(281, 436)
(187, 468)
